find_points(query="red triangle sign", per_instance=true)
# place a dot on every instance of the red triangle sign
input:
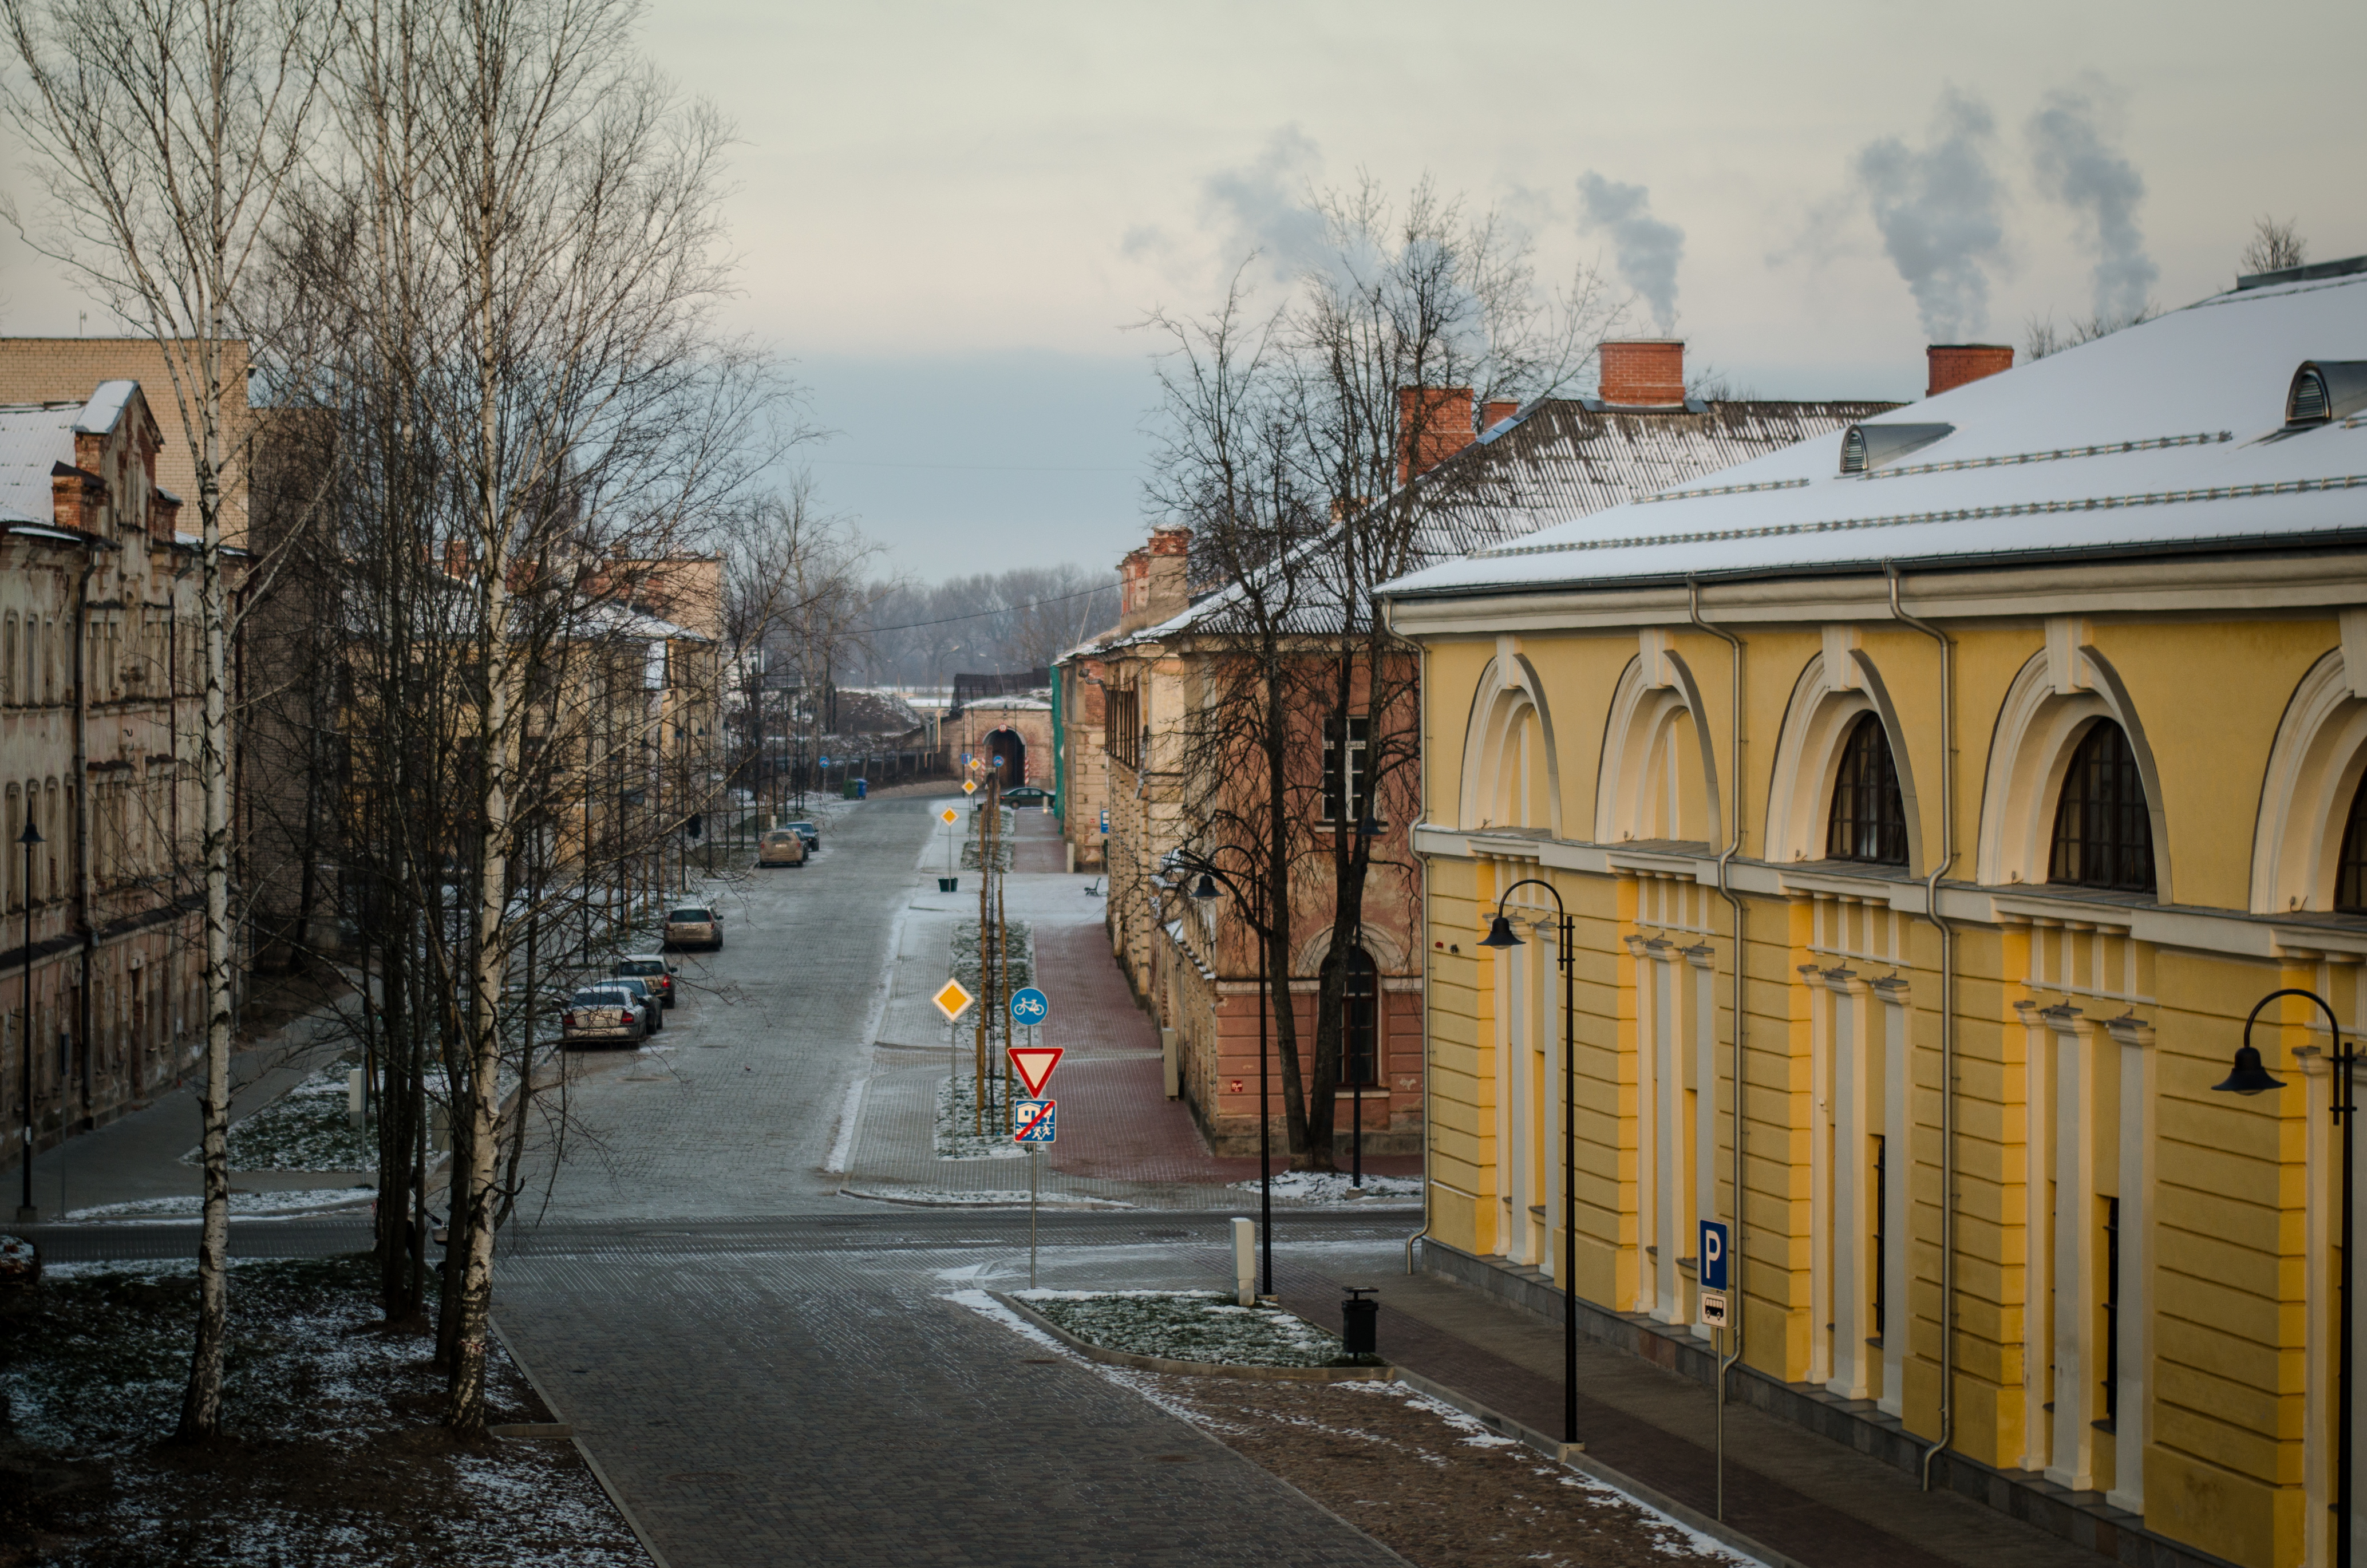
(1034, 1065)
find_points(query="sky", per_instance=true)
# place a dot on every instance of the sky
(949, 217)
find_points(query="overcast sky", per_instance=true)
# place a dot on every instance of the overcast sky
(949, 214)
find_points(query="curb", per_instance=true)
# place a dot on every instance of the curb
(1574, 1455)
(565, 1429)
(1068, 1206)
(1380, 1374)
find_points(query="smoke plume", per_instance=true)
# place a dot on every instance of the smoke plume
(1937, 208)
(1265, 204)
(1645, 250)
(2073, 156)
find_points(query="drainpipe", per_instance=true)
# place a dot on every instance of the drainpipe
(1736, 1254)
(77, 801)
(1947, 1021)
(1388, 619)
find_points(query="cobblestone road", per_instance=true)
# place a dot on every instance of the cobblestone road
(770, 1373)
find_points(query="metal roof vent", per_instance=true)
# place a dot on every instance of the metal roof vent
(2326, 390)
(1868, 446)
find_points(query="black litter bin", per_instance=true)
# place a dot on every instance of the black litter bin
(1360, 1322)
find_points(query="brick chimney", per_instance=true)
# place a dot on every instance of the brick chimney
(1953, 364)
(1434, 423)
(1152, 581)
(456, 558)
(1643, 372)
(1494, 413)
(77, 498)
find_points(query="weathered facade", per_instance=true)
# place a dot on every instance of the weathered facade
(1956, 784)
(100, 688)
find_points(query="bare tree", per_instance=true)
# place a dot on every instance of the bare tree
(2273, 245)
(165, 133)
(1297, 449)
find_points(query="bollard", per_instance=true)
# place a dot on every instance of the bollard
(1360, 1322)
(353, 1096)
(1245, 1262)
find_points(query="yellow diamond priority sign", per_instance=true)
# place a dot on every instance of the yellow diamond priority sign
(950, 816)
(954, 1000)
(969, 786)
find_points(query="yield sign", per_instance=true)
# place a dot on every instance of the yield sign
(953, 1000)
(1034, 1065)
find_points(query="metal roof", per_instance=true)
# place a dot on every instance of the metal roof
(34, 440)
(2169, 435)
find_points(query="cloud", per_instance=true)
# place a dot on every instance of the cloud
(1264, 206)
(1938, 209)
(1645, 250)
(2075, 160)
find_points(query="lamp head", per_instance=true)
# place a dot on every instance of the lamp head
(1368, 827)
(31, 835)
(1207, 888)
(1500, 935)
(2248, 1077)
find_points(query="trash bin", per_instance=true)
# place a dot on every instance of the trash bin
(862, 789)
(846, 790)
(1360, 1322)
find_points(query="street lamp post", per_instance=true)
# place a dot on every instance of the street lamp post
(2248, 1077)
(1209, 877)
(26, 1213)
(1500, 935)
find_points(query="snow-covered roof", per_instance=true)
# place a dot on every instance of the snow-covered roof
(34, 440)
(105, 407)
(1557, 461)
(2169, 435)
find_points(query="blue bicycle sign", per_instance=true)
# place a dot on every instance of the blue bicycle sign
(1030, 1007)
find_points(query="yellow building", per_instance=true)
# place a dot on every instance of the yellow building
(2020, 734)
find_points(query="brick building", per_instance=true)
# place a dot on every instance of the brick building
(100, 685)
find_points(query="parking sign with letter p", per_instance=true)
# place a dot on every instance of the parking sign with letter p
(1713, 1255)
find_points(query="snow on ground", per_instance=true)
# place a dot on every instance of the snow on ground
(192, 1206)
(984, 1198)
(958, 1116)
(1188, 1325)
(305, 1130)
(1332, 1187)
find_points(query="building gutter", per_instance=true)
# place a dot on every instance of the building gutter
(1736, 1254)
(1947, 1021)
(1388, 623)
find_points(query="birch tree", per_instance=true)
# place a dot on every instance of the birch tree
(164, 134)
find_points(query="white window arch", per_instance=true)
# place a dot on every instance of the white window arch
(2052, 703)
(1511, 772)
(2315, 766)
(1837, 685)
(1660, 769)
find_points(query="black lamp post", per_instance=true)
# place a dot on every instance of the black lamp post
(26, 1213)
(1500, 935)
(2248, 1077)
(1209, 877)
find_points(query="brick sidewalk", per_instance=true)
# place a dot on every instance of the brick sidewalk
(1804, 1496)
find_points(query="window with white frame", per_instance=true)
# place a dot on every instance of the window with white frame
(1347, 769)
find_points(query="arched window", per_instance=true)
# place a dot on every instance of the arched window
(2351, 872)
(1869, 819)
(1360, 996)
(2103, 833)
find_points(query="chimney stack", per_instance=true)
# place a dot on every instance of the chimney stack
(1153, 582)
(1494, 413)
(1643, 372)
(1953, 364)
(456, 558)
(1434, 423)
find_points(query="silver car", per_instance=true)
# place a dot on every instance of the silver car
(652, 1005)
(605, 1015)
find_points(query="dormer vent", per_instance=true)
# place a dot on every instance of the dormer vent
(2324, 389)
(1868, 446)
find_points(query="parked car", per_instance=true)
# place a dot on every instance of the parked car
(652, 1008)
(781, 847)
(603, 1014)
(694, 925)
(1026, 795)
(806, 831)
(653, 968)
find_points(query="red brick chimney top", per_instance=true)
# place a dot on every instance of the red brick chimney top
(1643, 372)
(1434, 423)
(1953, 364)
(1494, 413)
